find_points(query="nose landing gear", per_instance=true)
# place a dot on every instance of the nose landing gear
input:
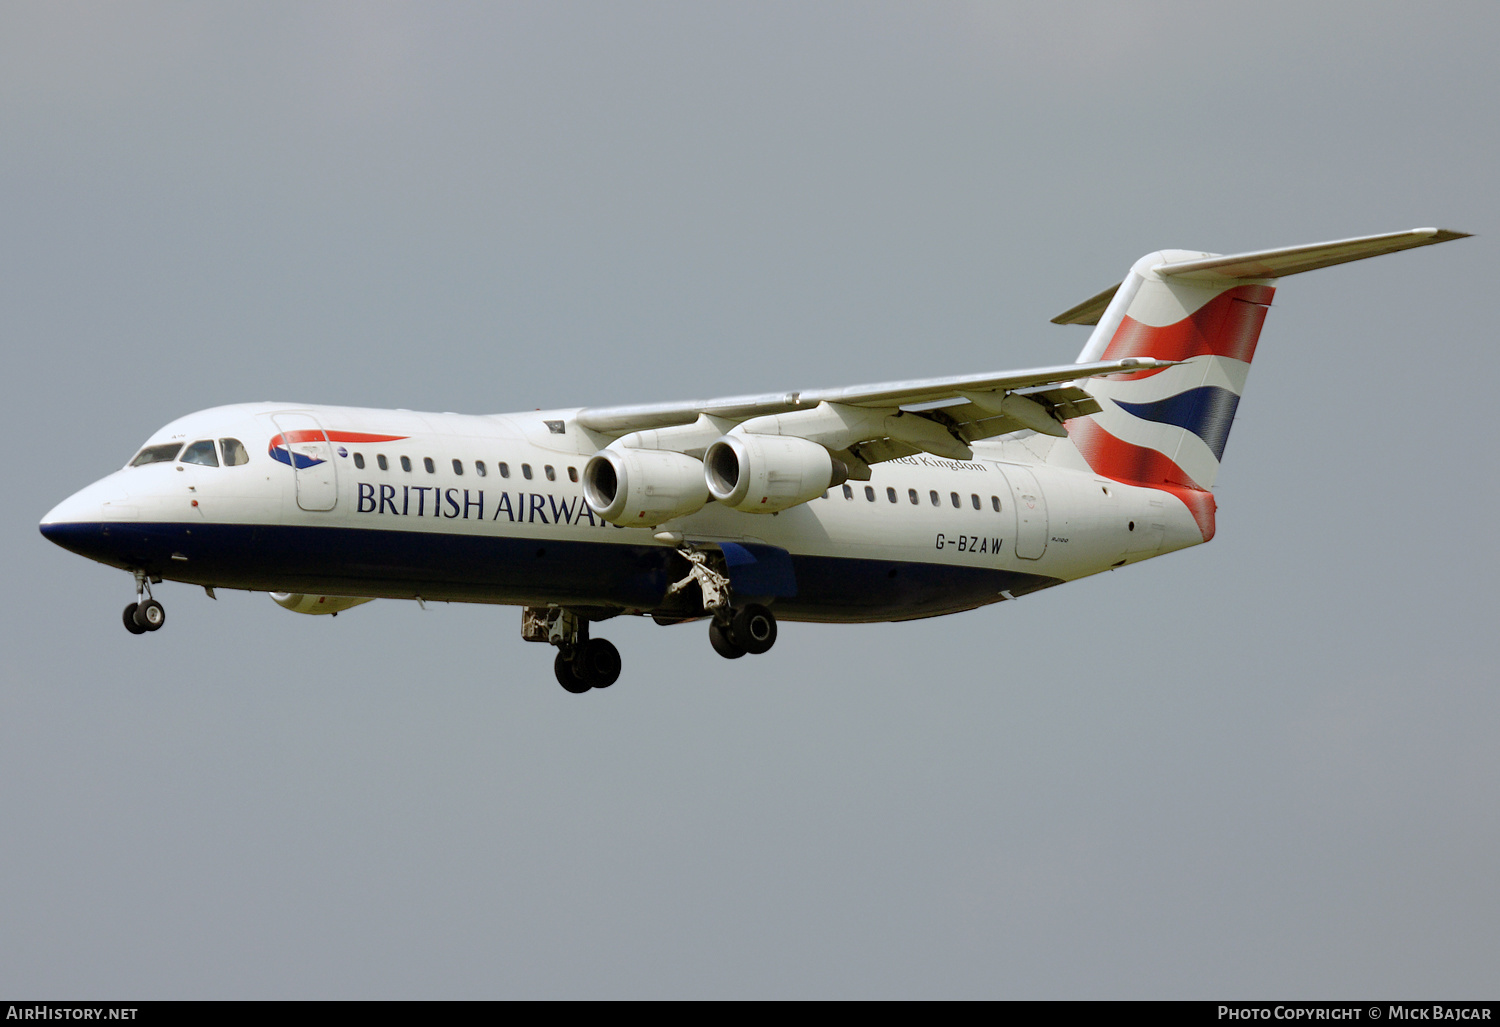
(145, 614)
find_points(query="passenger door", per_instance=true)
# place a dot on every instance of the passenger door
(1031, 511)
(303, 444)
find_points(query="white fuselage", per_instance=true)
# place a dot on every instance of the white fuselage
(491, 509)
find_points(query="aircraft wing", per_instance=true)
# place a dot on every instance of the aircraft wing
(865, 424)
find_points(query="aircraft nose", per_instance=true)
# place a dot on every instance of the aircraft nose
(77, 522)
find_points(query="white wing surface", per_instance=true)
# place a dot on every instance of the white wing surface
(865, 424)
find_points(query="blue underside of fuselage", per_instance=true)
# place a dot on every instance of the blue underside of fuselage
(471, 568)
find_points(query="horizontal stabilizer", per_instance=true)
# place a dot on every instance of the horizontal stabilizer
(1090, 310)
(1290, 260)
(1294, 260)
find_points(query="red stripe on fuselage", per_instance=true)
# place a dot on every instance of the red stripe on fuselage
(316, 435)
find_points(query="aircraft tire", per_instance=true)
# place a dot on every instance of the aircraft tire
(563, 668)
(753, 629)
(150, 615)
(131, 625)
(597, 662)
(722, 643)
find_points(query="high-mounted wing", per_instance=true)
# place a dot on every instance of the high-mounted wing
(867, 424)
(763, 454)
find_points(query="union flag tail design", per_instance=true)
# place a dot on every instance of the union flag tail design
(1166, 428)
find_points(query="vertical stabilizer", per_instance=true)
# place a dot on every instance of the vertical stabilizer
(1167, 428)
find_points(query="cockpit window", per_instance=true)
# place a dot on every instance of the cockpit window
(201, 452)
(157, 454)
(234, 452)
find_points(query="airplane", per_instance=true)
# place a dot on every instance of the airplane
(884, 502)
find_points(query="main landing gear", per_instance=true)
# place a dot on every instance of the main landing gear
(582, 662)
(595, 663)
(750, 629)
(733, 632)
(145, 614)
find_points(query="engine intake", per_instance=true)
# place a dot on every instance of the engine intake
(643, 487)
(769, 473)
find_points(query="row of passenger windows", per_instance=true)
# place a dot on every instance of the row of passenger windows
(201, 452)
(480, 468)
(916, 500)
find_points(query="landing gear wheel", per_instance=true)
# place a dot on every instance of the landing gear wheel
(721, 642)
(753, 629)
(597, 662)
(150, 615)
(563, 668)
(130, 621)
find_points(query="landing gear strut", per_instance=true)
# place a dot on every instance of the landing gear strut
(732, 632)
(145, 614)
(582, 662)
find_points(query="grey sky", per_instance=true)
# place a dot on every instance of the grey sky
(1266, 766)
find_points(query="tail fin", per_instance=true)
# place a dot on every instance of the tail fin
(1167, 428)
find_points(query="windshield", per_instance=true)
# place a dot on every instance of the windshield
(201, 453)
(156, 454)
(234, 452)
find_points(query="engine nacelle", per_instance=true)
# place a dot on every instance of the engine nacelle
(767, 473)
(299, 603)
(643, 487)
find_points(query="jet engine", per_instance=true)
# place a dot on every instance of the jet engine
(643, 487)
(299, 603)
(767, 473)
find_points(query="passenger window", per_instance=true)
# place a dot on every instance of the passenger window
(380, 462)
(359, 461)
(235, 453)
(479, 468)
(201, 452)
(406, 464)
(890, 494)
(504, 469)
(975, 499)
(995, 502)
(954, 497)
(427, 463)
(912, 495)
(573, 476)
(935, 500)
(870, 493)
(848, 492)
(526, 471)
(458, 467)
(551, 474)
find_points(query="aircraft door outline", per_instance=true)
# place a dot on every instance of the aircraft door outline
(311, 456)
